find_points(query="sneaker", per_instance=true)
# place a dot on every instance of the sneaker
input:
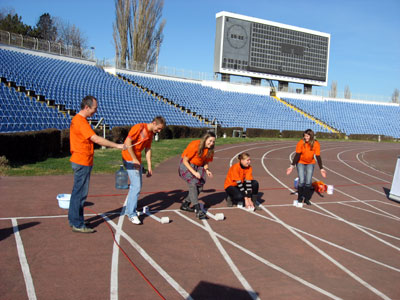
(135, 220)
(186, 207)
(307, 202)
(201, 215)
(82, 229)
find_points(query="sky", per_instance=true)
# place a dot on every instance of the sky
(365, 38)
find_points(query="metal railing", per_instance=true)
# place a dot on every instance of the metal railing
(27, 42)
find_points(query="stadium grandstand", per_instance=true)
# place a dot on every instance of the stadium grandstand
(42, 90)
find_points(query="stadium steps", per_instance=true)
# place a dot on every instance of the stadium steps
(48, 102)
(165, 100)
(298, 110)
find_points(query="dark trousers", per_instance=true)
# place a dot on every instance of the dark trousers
(237, 196)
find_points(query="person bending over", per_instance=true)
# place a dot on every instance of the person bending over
(140, 137)
(193, 168)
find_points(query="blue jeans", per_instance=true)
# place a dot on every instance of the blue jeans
(135, 178)
(79, 194)
(305, 174)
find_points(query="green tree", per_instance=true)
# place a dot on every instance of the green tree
(45, 28)
(14, 24)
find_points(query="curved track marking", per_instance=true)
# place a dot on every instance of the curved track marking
(264, 261)
(368, 165)
(355, 169)
(328, 257)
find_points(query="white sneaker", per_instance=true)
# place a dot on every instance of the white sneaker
(135, 220)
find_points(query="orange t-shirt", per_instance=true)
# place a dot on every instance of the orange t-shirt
(236, 173)
(141, 135)
(306, 154)
(191, 153)
(81, 146)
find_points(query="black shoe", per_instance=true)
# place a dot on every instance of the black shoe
(201, 215)
(186, 207)
(307, 202)
(199, 212)
(255, 202)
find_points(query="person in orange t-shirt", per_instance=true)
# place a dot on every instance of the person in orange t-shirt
(139, 137)
(240, 185)
(82, 138)
(193, 168)
(306, 149)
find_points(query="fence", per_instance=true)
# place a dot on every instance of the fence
(32, 43)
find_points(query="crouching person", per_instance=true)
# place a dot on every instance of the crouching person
(194, 168)
(240, 185)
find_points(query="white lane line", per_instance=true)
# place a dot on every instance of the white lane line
(249, 149)
(369, 166)
(150, 260)
(115, 256)
(355, 224)
(350, 196)
(356, 182)
(327, 256)
(355, 169)
(264, 261)
(230, 263)
(386, 203)
(327, 211)
(370, 211)
(331, 243)
(358, 227)
(30, 288)
(364, 202)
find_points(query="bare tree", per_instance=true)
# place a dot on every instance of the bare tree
(121, 30)
(395, 96)
(333, 91)
(347, 92)
(70, 35)
(146, 31)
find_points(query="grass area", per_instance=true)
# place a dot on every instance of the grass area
(107, 161)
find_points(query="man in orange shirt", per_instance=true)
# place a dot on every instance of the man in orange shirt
(139, 137)
(82, 138)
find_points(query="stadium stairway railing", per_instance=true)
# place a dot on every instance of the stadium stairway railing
(300, 111)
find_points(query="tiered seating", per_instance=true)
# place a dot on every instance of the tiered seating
(231, 109)
(354, 117)
(19, 113)
(68, 83)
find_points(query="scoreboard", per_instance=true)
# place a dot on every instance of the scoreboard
(257, 48)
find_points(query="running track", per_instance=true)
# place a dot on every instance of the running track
(344, 246)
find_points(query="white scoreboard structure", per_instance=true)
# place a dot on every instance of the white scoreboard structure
(262, 49)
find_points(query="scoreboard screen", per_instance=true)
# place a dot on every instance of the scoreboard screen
(247, 46)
